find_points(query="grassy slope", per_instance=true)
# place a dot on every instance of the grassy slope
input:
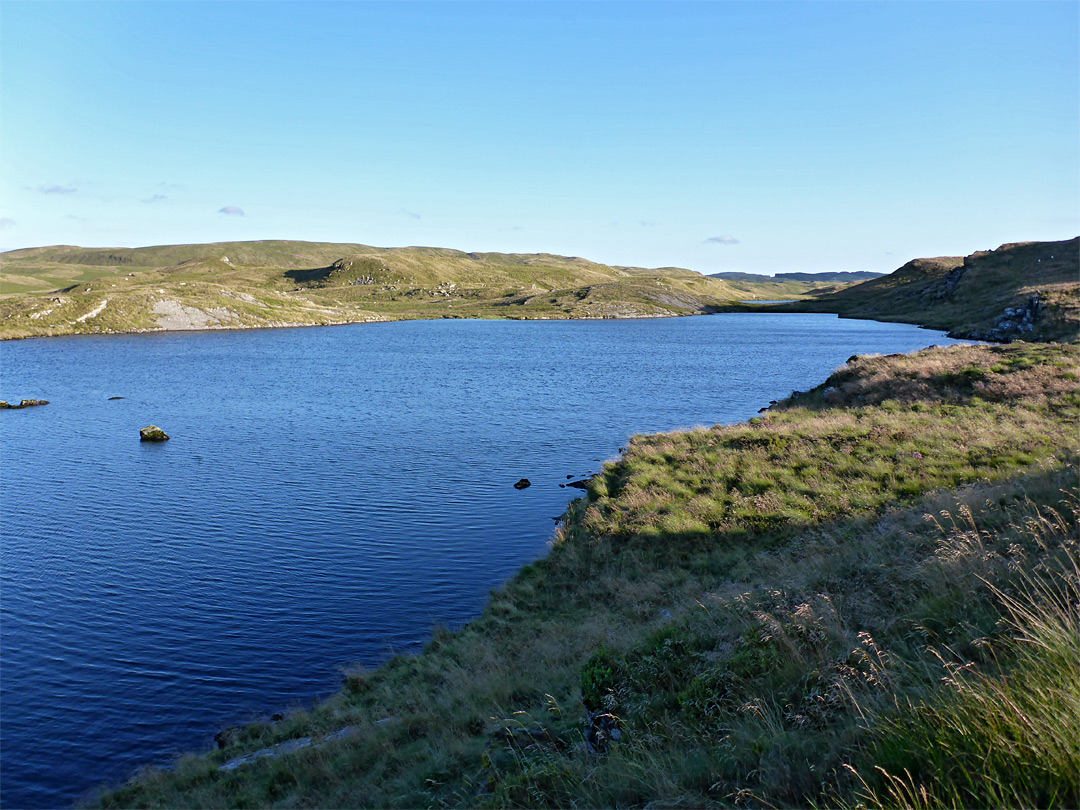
(765, 610)
(986, 295)
(70, 290)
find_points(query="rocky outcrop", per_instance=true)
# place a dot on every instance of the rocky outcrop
(229, 736)
(152, 433)
(601, 730)
(26, 403)
(1015, 323)
(176, 316)
(524, 483)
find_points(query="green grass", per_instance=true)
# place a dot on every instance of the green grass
(766, 608)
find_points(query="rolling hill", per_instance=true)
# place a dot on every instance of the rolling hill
(71, 290)
(1021, 291)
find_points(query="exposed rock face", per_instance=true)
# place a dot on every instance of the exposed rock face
(26, 403)
(1015, 322)
(524, 483)
(152, 433)
(177, 316)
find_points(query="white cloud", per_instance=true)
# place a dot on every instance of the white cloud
(232, 211)
(723, 240)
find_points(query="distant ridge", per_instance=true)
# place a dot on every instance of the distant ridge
(838, 277)
(752, 278)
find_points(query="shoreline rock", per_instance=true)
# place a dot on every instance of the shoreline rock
(26, 403)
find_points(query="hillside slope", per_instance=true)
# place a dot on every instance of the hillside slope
(70, 290)
(1021, 291)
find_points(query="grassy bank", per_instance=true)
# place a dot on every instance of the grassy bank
(866, 596)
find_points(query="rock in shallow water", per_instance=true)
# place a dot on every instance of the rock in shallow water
(523, 484)
(152, 433)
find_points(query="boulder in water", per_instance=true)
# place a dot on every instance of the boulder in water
(152, 433)
(524, 483)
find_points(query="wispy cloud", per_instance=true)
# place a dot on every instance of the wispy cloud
(723, 240)
(57, 189)
(155, 198)
(645, 224)
(6, 222)
(232, 211)
(409, 213)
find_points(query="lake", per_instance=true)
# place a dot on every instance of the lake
(328, 497)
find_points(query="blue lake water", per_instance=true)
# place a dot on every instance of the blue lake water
(328, 496)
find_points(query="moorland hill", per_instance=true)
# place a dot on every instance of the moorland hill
(70, 290)
(1021, 291)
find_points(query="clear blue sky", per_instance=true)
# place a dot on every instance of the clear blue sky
(761, 137)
